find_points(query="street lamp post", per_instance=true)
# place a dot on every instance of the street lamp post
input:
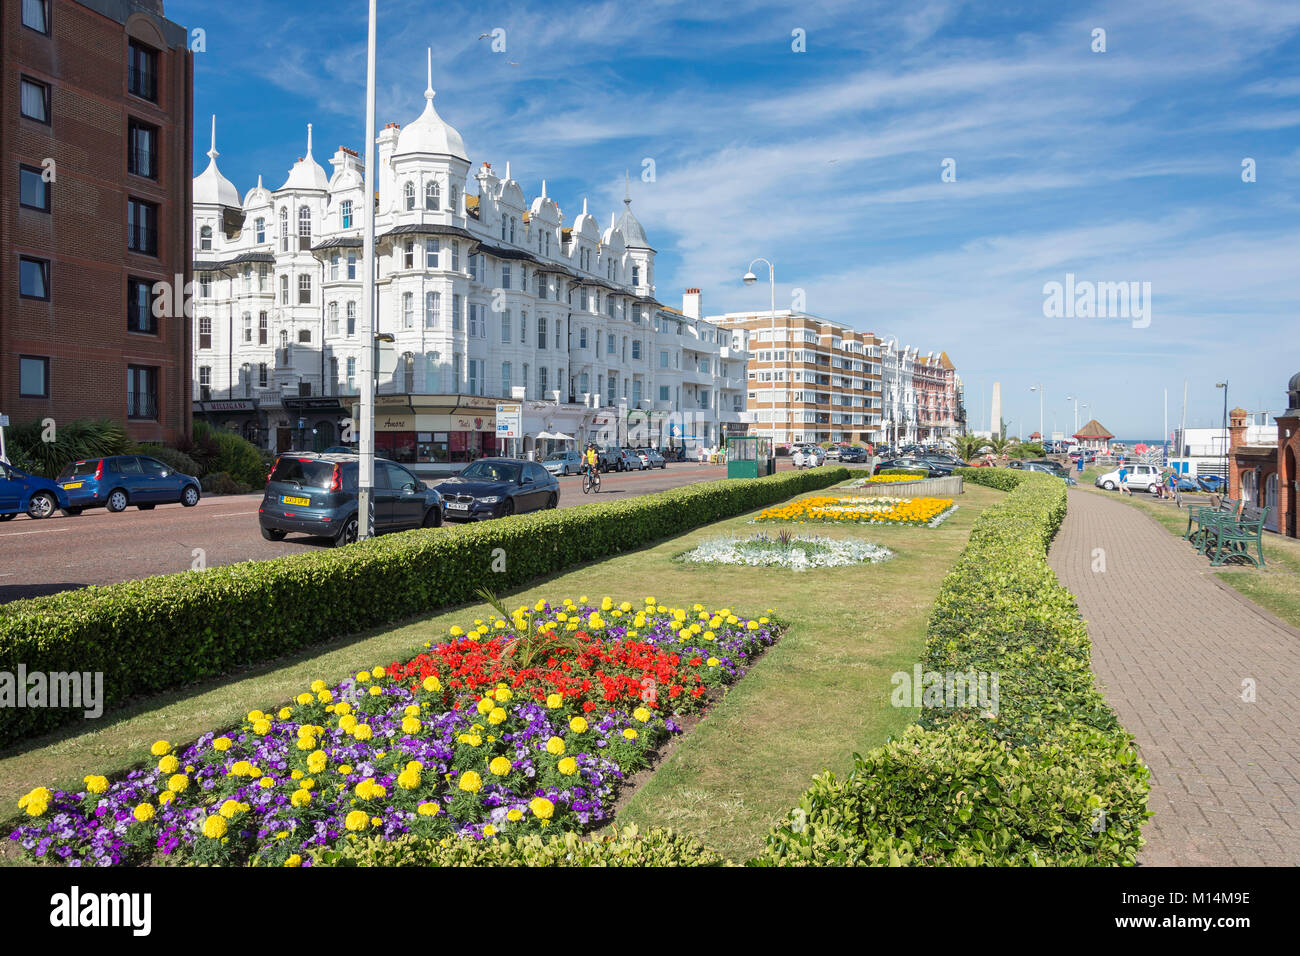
(366, 444)
(1226, 478)
(1039, 390)
(750, 279)
(1077, 404)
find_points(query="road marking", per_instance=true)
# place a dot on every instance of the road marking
(15, 534)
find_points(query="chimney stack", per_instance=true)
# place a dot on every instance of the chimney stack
(691, 303)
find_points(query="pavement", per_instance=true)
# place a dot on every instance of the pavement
(1208, 683)
(59, 553)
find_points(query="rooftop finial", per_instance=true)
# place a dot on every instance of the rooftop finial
(584, 205)
(507, 170)
(309, 140)
(543, 188)
(212, 152)
(627, 188)
(259, 180)
(428, 87)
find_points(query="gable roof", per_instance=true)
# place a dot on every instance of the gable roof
(1093, 429)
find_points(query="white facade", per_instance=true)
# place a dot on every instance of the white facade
(899, 413)
(487, 295)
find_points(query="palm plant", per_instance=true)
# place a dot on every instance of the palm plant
(73, 441)
(969, 446)
(999, 445)
(530, 643)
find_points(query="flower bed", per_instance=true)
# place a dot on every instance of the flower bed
(525, 721)
(798, 553)
(860, 510)
(888, 478)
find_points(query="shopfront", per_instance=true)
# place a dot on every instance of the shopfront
(442, 432)
(235, 415)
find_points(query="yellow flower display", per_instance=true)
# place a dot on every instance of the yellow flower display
(858, 510)
(214, 827)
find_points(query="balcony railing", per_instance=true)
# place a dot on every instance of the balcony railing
(141, 405)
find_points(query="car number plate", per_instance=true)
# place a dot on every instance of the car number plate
(457, 506)
(295, 501)
(73, 484)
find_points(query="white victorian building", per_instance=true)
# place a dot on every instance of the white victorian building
(899, 413)
(486, 297)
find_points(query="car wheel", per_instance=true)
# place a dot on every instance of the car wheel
(72, 512)
(432, 518)
(553, 501)
(42, 505)
(145, 507)
(117, 501)
(10, 516)
(348, 533)
(1108, 485)
(273, 534)
(509, 508)
(190, 496)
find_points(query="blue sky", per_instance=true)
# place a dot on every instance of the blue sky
(1117, 166)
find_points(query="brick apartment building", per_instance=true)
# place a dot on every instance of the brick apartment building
(817, 381)
(96, 153)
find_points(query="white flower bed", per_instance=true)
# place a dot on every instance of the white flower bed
(941, 517)
(798, 553)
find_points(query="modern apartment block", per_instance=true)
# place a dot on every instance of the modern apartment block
(810, 379)
(95, 151)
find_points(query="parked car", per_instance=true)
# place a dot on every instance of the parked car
(651, 458)
(609, 457)
(564, 463)
(316, 493)
(808, 456)
(833, 453)
(909, 464)
(628, 460)
(121, 480)
(1046, 464)
(853, 454)
(339, 450)
(22, 493)
(496, 488)
(1140, 478)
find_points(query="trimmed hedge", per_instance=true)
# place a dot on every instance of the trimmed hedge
(1003, 479)
(149, 635)
(1051, 779)
(627, 847)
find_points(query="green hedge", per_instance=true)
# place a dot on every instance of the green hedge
(1003, 479)
(149, 635)
(625, 848)
(1051, 779)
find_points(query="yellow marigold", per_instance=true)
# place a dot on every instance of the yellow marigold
(221, 744)
(503, 693)
(295, 774)
(178, 783)
(300, 798)
(255, 715)
(578, 725)
(567, 766)
(496, 715)
(345, 769)
(97, 784)
(555, 746)
(347, 722)
(428, 809)
(630, 734)
(307, 783)
(554, 700)
(261, 726)
(165, 798)
(362, 732)
(169, 764)
(375, 691)
(455, 631)
(356, 820)
(408, 779)
(316, 761)
(230, 809)
(343, 708)
(284, 713)
(411, 725)
(431, 684)
(499, 766)
(302, 700)
(514, 815)
(306, 743)
(266, 783)
(324, 696)
(542, 808)
(368, 790)
(144, 812)
(293, 860)
(486, 704)
(214, 827)
(363, 677)
(160, 748)
(641, 714)
(472, 740)
(712, 662)
(470, 782)
(36, 801)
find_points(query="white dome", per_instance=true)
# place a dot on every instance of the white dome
(430, 134)
(306, 173)
(210, 187)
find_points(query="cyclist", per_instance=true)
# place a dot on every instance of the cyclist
(590, 460)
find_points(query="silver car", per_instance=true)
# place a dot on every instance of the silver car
(564, 463)
(651, 458)
(809, 456)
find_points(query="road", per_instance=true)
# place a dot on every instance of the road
(61, 552)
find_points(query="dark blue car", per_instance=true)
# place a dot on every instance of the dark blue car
(498, 487)
(121, 480)
(30, 494)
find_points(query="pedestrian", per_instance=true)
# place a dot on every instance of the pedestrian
(1123, 480)
(702, 455)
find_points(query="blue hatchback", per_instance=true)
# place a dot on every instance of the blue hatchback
(21, 493)
(123, 480)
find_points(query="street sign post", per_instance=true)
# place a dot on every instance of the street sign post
(509, 421)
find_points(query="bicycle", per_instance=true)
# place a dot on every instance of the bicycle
(591, 481)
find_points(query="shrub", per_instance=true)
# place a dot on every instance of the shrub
(217, 450)
(174, 459)
(149, 635)
(220, 483)
(72, 441)
(658, 847)
(1003, 479)
(1051, 778)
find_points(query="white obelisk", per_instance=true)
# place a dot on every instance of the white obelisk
(995, 423)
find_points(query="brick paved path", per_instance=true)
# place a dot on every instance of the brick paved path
(1171, 647)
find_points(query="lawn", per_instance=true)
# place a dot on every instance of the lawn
(819, 695)
(1276, 587)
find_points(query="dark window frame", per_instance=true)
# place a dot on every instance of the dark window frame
(49, 27)
(48, 278)
(137, 232)
(132, 124)
(135, 76)
(151, 320)
(45, 377)
(150, 410)
(40, 174)
(48, 97)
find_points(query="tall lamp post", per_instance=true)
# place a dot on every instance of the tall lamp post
(1075, 399)
(1039, 390)
(750, 279)
(1227, 483)
(366, 444)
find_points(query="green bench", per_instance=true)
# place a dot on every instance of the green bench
(1233, 535)
(1199, 516)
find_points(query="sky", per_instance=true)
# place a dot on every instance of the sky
(921, 170)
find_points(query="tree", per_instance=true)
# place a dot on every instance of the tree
(999, 445)
(969, 446)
